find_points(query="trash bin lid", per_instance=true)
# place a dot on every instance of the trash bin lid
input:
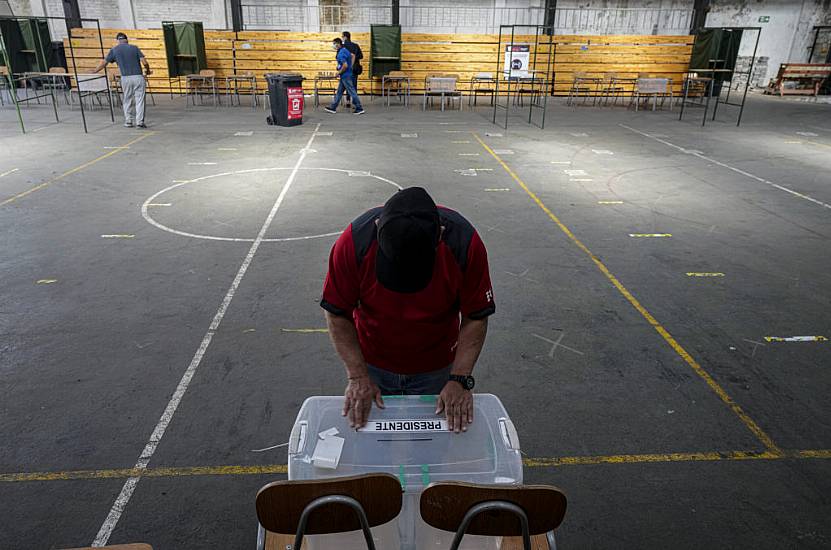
(283, 76)
(403, 439)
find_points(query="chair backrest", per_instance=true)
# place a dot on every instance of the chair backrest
(59, 70)
(653, 85)
(281, 503)
(444, 506)
(484, 76)
(398, 74)
(248, 74)
(207, 72)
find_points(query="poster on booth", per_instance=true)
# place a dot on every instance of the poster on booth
(295, 95)
(517, 58)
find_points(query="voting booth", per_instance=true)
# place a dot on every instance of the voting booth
(408, 440)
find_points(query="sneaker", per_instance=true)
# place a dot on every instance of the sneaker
(128, 124)
(141, 125)
(329, 110)
(359, 112)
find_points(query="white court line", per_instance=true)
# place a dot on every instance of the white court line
(733, 168)
(158, 432)
(9, 172)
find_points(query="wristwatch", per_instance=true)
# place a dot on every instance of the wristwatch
(467, 382)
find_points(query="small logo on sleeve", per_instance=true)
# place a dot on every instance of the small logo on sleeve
(489, 295)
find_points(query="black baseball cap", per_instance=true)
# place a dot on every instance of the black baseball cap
(121, 36)
(408, 234)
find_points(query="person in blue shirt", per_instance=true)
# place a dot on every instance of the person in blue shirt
(344, 60)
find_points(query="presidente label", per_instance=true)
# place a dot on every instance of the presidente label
(406, 425)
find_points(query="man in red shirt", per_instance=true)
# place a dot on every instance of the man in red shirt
(407, 300)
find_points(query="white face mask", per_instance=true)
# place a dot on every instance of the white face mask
(335, 47)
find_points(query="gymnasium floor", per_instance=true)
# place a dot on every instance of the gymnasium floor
(160, 289)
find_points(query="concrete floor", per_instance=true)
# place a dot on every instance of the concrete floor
(668, 419)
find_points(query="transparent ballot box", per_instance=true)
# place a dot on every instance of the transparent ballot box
(408, 440)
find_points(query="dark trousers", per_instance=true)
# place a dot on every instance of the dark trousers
(391, 383)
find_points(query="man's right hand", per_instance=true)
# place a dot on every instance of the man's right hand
(359, 395)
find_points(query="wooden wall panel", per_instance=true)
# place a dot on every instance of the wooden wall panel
(465, 55)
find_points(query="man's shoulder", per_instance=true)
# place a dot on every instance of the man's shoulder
(364, 232)
(458, 234)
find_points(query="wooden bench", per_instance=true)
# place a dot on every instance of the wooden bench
(807, 78)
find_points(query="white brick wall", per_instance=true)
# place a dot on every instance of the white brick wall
(151, 13)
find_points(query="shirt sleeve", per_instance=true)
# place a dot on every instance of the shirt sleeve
(476, 296)
(110, 57)
(341, 290)
(359, 54)
(140, 53)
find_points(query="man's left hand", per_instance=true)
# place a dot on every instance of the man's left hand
(457, 404)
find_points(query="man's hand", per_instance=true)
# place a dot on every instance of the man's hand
(457, 404)
(147, 71)
(359, 395)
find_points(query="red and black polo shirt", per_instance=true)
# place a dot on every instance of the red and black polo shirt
(417, 332)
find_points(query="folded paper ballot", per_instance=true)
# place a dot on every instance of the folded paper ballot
(327, 452)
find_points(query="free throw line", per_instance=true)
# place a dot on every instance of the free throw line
(733, 168)
(673, 343)
(74, 170)
(158, 432)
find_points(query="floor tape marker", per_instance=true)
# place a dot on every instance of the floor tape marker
(704, 274)
(46, 281)
(796, 339)
(749, 423)
(304, 330)
(152, 444)
(118, 236)
(650, 235)
(15, 170)
(609, 202)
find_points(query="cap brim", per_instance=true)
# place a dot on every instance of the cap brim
(404, 278)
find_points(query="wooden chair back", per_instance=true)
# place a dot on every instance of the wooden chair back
(57, 70)
(444, 506)
(397, 74)
(281, 503)
(207, 72)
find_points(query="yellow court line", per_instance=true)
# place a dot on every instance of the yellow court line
(673, 343)
(74, 170)
(816, 143)
(542, 462)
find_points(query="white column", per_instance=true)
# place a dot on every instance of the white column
(128, 15)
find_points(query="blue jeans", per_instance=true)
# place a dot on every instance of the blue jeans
(346, 85)
(391, 383)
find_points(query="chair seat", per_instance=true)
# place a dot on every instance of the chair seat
(276, 541)
(538, 542)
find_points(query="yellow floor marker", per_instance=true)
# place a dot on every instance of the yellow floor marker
(46, 281)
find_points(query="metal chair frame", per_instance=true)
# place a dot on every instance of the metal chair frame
(504, 506)
(317, 503)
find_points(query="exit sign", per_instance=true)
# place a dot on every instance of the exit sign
(764, 19)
